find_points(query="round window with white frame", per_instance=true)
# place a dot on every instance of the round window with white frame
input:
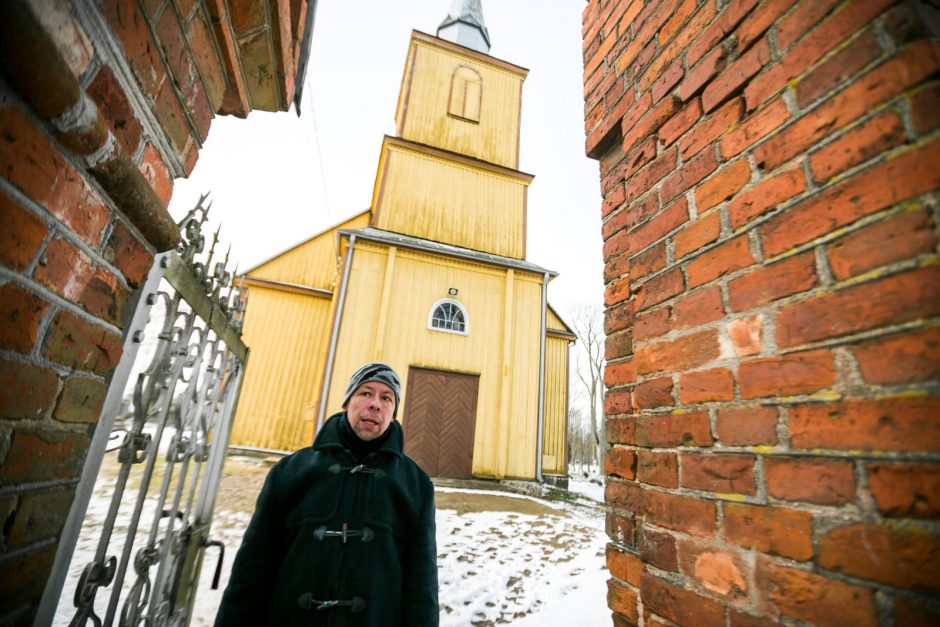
(449, 316)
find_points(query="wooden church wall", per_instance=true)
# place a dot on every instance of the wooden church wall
(388, 320)
(554, 432)
(484, 210)
(277, 406)
(427, 85)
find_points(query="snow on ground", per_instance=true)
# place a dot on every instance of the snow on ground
(503, 558)
(591, 488)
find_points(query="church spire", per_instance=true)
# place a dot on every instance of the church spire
(464, 25)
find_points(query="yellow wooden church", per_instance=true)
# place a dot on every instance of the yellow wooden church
(432, 280)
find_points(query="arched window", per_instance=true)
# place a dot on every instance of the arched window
(466, 90)
(449, 315)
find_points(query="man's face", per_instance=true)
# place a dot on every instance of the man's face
(370, 409)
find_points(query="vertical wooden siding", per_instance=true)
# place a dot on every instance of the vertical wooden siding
(447, 201)
(312, 263)
(504, 442)
(287, 334)
(554, 434)
(423, 117)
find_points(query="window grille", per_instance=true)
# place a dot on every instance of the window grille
(449, 315)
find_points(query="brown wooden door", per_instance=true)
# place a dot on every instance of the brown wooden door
(439, 419)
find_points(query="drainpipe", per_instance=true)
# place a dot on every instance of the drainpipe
(541, 421)
(334, 336)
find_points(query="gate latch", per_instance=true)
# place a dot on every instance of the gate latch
(218, 567)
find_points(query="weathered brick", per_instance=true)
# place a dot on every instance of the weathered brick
(721, 27)
(647, 262)
(724, 473)
(30, 162)
(39, 516)
(141, 51)
(747, 335)
(43, 455)
(754, 128)
(659, 288)
(815, 599)
(711, 128)
(669, 219)
(823, 38)
(683, 353)
(775, 530)
(658, 549)
(679, 605)
(889, 300)
(772, 282)
(722, 185)
(157, 174)
(697, 308)
(925, 109)
(635, 132)
(647, 177)
(81, 400)
(901, 358)
(617, 291)
(677, 125)
(826, 482)
(873, 137)
(113, 104)
(892, 424)
(65, 269)
(654, 393)
(680, 513)
(733, 78)
(720, 572)
(660, 469)
(894, 238)
(732, 255)
(23, 578)
(620, 462)
(652, 324)
(622, 600)
(623, 494)
(703, 72)
(905, 490)
(908, 559)
(667, 80)
(624, 565)
(884, 82)
(20, 315)
(620, 527)
(27, 391)
(618, 401)
(678, 429)
(621, 430)
(747, 426)
(837, 69)
(910, 613)
(21, 236)
(75, 343)
(689, 175)
(795, 373)
(618, 317)
(759, 20)
(620, 373)
(765, 196)
(706, 386)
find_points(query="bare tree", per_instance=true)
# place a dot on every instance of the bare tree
(588, 326)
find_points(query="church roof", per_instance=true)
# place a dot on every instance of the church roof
(464, 25)
(426, 245)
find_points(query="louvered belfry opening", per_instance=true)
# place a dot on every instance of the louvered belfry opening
(439, 420)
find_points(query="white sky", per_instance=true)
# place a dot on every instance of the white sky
(266, 177)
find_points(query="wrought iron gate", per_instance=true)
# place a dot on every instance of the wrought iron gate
(170, 449)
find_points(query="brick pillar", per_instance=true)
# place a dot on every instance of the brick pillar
(101, 106)
(770, 173)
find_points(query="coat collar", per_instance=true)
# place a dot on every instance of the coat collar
(329, 437)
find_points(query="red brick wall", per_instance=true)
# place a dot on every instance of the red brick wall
(99, 110)
(770, 173)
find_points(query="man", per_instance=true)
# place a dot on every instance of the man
(343, 531)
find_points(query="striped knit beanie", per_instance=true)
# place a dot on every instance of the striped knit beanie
(375, 371)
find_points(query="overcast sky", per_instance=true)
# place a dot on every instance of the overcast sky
(276, 179)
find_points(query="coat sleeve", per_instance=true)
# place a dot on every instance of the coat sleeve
(419, 569)
(249, 588)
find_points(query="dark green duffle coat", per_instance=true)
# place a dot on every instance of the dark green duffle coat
(290, 556)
